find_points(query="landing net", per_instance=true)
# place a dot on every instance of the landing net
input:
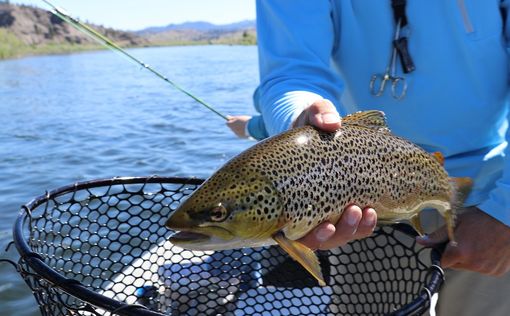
(101, 248)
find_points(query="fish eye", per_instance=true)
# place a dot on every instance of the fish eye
(218, 213)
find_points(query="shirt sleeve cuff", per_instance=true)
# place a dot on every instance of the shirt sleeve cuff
(255, 128)
(281, 113)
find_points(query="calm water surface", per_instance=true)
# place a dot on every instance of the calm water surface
(96, 115)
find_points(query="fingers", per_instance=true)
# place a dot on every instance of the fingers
(238, 124)
(319, 235)
(434, 239)
(460, 258)
(482, 247)
(450, 256)
(353, 224)
(367, 224)
(321, 114)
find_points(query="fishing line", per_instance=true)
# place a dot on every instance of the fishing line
(111, 45)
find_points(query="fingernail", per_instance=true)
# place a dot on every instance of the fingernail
(330, 118)
(370, 219)
(323, 234)
(352, 220)
(424, 238)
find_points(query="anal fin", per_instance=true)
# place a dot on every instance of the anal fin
(302, 254)
(416, 223)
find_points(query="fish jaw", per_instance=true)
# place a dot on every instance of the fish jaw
(192, 234)
(212, 243)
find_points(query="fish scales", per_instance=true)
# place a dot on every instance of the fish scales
(280, 189)
(318, 173)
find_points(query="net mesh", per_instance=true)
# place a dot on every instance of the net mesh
(108, 241)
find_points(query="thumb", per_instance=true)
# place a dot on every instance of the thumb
(321, 114)
(439, 236)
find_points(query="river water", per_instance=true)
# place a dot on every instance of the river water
(69, 118)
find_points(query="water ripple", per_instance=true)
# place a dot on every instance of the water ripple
(78, 117)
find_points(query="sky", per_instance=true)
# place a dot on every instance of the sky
(136, 15)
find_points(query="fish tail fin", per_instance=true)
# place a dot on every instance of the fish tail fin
(460, 188)
(302, 254)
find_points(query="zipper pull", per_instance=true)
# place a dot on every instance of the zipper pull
(400, 45)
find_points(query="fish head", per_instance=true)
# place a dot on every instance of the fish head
(228, 211)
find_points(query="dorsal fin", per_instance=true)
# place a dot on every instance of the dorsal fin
(439, 157)
(371, 119)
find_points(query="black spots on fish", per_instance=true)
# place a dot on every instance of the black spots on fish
(317, 179)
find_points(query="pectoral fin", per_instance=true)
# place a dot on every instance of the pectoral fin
(302, 254)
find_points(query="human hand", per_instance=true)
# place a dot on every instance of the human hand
(238, 124)
(483, 244)
(354, 223)
(321, 114)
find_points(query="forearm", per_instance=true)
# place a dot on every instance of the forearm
(295, 40)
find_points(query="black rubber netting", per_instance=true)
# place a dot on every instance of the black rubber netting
(101, 248)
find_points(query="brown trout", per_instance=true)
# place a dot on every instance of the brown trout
(283, 187)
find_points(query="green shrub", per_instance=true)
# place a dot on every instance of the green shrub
(10, 45)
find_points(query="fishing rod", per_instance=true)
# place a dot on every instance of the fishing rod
(111, 45)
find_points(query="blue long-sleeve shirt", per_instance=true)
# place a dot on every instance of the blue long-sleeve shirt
(457, 98)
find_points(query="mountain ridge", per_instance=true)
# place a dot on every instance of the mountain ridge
(200, 26)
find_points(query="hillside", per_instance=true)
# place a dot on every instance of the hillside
(26, 30)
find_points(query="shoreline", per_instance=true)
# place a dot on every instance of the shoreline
(76, 49)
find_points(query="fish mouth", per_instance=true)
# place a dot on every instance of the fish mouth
(188, 237)
(201, 236)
